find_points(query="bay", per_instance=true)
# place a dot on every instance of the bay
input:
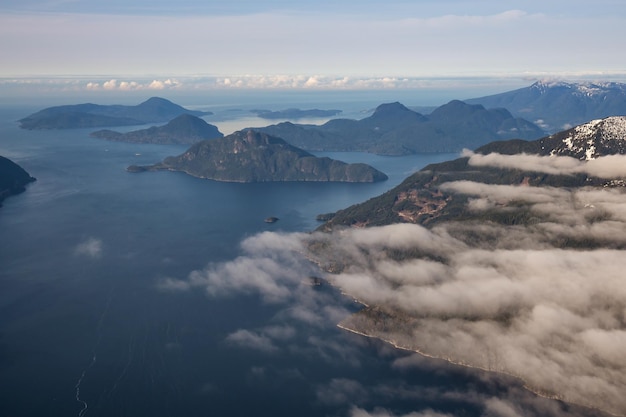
(86, 328)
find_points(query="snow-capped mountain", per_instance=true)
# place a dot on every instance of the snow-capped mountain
(590, 140)
(558, 105)
(586, 141)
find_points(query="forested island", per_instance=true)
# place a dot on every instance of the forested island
(251, 156)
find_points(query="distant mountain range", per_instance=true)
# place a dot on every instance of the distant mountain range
(393, 129)
(184, 129)
(419, 199)
(250, 156)
(13, 178)
(88, 115)
(555, 106)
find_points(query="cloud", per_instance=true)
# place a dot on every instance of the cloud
(340, 391)
(124, 85)
(511, 302)
(380, 412)
(270, 268)
(251, 340)
(91, 247)
(110, 85)
(535, 301)
(610, 166)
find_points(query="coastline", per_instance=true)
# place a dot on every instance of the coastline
(525, 385)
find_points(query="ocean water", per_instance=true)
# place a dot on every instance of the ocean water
(86, 329)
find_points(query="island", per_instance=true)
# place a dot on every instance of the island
(252, 156)
(183, 130)
(88, 115)
(394, 129)
(13, 178)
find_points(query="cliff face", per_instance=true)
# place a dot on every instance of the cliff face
(13, 178)
(257, 157)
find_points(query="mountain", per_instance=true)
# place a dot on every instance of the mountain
(510, 262)
(88, 115)
(393, 129)
(184, 129)
(559, 105)
(419, 198)
(249, 156)
(13, 178)
(584, 142)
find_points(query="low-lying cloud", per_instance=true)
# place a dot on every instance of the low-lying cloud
(91, 247)
(545, 302)
(609, 166)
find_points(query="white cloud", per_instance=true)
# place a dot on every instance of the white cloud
(110, 85)
(91, 247)
(381, 412)
(126, 85)
(501, 298)
(610, 166)
(251, 340)
(509, 302)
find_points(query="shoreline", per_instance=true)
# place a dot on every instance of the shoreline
(456, 363)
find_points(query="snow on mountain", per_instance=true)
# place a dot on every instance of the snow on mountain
(590, 140)
(586, 89)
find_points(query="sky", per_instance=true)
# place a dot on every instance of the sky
(158, 44)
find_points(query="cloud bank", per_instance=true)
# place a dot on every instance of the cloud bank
(545, 302)
(610, 166)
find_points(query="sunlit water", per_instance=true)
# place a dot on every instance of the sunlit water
(86, 331)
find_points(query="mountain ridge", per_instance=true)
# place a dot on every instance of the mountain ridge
(394, 129)
(559, 105)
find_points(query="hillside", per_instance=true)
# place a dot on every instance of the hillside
(419, 199)
(249, 156)
(508, 262)
(184, 129)
(560, 105)
(89, 115)
(13, 178)
(393, 129)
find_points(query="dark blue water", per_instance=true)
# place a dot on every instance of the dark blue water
(85, 329)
